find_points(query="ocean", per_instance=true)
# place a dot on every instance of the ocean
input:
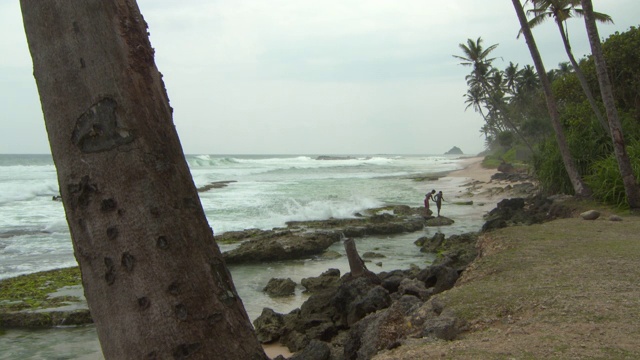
(263, 191)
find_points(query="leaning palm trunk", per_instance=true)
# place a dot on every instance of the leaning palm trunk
(631, 187)
(502, 112)
(579, 187)
(581, 78)
(155, 281)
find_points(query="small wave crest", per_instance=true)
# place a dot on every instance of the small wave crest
(209, 161)
(295, 210)
(21, 191)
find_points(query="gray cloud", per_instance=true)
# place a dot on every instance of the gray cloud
(288, 76)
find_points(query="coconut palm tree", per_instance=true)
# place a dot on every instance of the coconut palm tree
(579, 187)
(154, 278)
(475, 98)
(631, 187)
(477, 57)
(564, 68)
(511, 74)
(561, 11)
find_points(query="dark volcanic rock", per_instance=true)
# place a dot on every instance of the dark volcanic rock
(520, 211)
(285, 247)
(378, 222)
(439, 277)
(457, 251)
(328, 279)
(280, 287)
(431, 245)
(316, 350)
(268, 326)
(352, 292)
(379, 331)
(215, 185)
(236, 236)
(415, 288)
(372, 255)
(439, 221)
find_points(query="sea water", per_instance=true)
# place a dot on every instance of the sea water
(263, 192)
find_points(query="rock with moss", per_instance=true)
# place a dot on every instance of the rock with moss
(43, 299)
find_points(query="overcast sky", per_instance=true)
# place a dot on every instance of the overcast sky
(309, 76)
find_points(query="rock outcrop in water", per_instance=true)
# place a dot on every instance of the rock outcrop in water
(454, 151)
(357, 317)
(302, 239)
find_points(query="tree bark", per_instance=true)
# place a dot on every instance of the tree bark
(154, 279)
(631, 187)
(579, 187)
(356, 264)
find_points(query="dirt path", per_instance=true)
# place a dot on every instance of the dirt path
(567, 289)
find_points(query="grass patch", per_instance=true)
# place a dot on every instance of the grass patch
(556, 282)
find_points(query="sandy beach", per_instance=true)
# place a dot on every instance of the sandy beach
(473, 170)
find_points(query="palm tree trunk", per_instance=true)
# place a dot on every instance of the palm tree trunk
(631, 187)
(155, 281)
(579, 187)
(503, 113)
(582, 79)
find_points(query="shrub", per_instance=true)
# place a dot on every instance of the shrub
(606, 181)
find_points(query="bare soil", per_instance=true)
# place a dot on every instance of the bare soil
(566, 289)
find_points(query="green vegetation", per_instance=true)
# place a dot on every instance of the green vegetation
(32, 291)
(561, 276)
(511, 102)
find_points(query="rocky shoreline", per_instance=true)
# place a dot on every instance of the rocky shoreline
(346, 315)
(356, 317)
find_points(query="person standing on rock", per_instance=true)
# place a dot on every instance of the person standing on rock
(427, 198)
(438, 199)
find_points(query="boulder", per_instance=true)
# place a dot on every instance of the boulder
(439, 221)
(286, 245)
(375, 299)
(295, 341)
(457, 251)
(431, 245)
(328, 279)
(503, 213)
(380, 330)
(351, 293)
(268, 326)
(442, 327)
(280, 287)
(438, 277)
(415, 288)
(316, 350)
(615, 218)
(372, 255)
(330, 255)
(590, 215)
